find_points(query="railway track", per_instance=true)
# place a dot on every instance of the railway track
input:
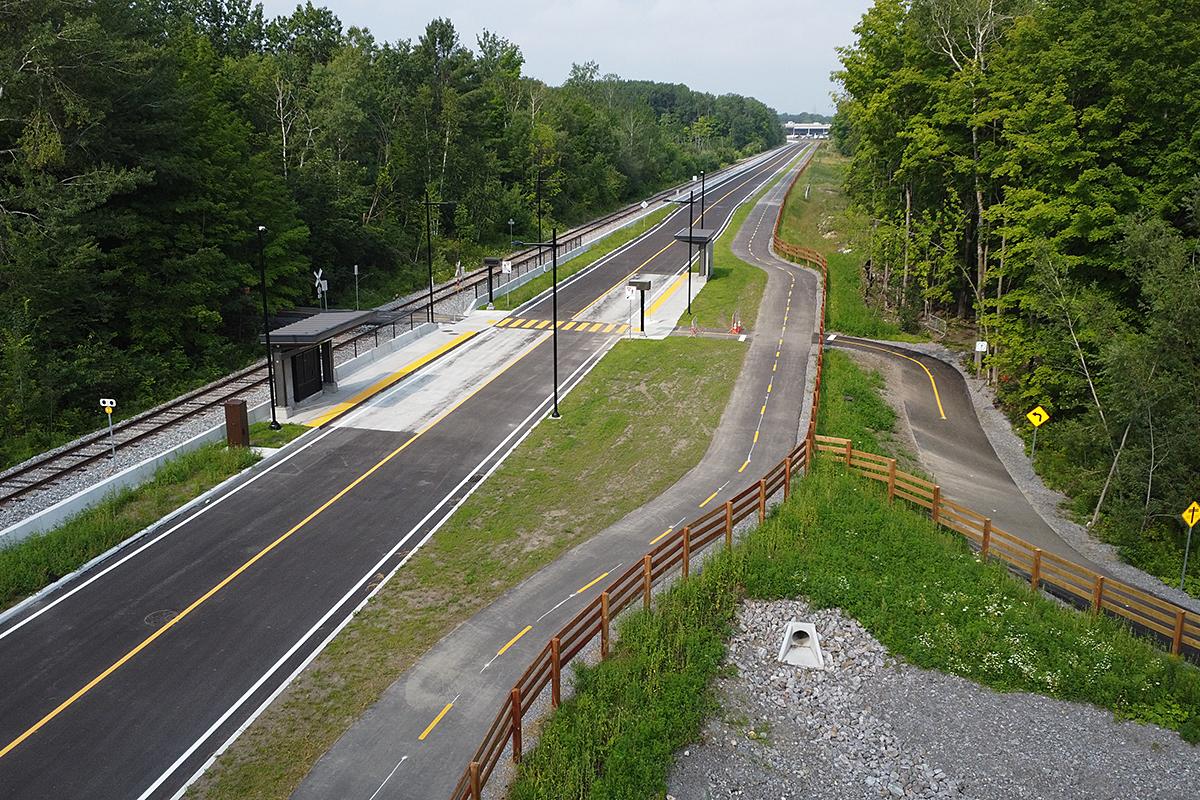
(45, 471)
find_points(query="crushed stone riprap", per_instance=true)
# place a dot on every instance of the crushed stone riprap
(872, 726)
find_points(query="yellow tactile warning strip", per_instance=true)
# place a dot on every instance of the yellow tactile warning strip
(579, 326)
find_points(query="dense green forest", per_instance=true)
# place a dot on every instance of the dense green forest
(142, 143)
(1034, 166)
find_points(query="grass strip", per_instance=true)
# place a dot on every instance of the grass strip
(824, 222)
(645, 403)
(609, 243)
(261, 434)
(40, 560)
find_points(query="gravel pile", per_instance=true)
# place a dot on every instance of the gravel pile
(869, 726)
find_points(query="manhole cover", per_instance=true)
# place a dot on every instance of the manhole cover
(157, 619)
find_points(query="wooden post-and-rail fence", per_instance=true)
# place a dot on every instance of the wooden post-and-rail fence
(1178, 628)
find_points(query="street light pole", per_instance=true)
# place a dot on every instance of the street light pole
(262, 276)
(510, 226)
(429, 247)
(554, 293)
(701, 198)
(691, 201)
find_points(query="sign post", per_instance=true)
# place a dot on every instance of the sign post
(108, 404)
(1191, 516)
(642, 286)
(981, 347)
(356, 287)
(1038, 417)
(321, 286)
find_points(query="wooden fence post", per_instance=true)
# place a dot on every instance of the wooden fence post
(1177, 639)
(555, 673)
(1097, 594)
(849, 452)
(603, 625)
(687, 549)
(516, 724)
(646, 567)
(728, 524)
(810, 454)
(476, 793)
(1035, 577)
(986, 542)
(787, 477)
(891, 480)
(762, 500)
(935, 512)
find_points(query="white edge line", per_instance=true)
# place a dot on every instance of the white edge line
(572, 381)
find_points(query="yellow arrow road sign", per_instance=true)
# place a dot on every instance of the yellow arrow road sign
(1038, 417)
(1192, 515)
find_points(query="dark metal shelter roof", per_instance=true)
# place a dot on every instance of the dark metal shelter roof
(699, 236)
(318, 328)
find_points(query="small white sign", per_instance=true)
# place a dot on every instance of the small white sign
(506, 267)
(458, 270)
(981, 347)
(644, 204)
(356, 270)
(324, 286)
(107, 402)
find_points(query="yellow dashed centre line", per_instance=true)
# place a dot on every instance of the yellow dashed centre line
(591, 583)
(436, 720)
(743, 467)
(659, 538)
(708, 499)
(504, 649)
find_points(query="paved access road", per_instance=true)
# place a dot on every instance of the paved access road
(126, 680)
(954, 447)
(415, 742)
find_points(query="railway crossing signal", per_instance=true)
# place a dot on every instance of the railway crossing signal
(1191, 516)
(108, 404)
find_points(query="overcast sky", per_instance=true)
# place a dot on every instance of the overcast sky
(780, 51)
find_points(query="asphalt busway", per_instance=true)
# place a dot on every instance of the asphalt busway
(125, 681)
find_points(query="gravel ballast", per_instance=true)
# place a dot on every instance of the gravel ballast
(871, 726)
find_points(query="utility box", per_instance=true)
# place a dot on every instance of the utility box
(237, 424)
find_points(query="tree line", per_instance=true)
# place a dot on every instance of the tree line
(1034, 166)
(142, 143)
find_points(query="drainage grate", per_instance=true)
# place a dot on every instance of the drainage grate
(156, 619)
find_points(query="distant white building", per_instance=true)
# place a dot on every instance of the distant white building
(807, 130)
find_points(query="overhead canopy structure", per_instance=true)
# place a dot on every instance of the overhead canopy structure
(302, 352)
(702, 238)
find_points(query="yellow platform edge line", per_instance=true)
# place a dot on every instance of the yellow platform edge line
(665, 296)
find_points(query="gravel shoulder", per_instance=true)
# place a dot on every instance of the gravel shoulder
(871, 726)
